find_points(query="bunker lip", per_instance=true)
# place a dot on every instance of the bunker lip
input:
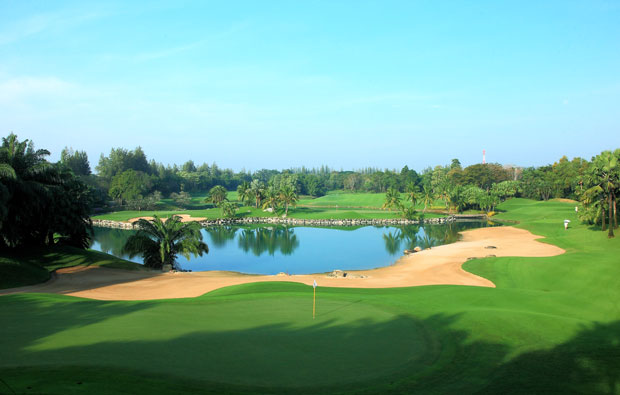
(439, 265)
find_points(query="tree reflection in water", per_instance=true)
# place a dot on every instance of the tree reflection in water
(268, 239)
(221, 235)
(111, 241)
(426, 236)
(261, 240)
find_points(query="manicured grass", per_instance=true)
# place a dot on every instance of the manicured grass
(34, 266)
(335, 205)
(357, 200)
(551, 326)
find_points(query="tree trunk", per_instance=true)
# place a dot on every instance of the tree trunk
(610, 234)
(615, 212)
(603, 215)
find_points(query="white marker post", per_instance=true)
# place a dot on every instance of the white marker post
(314, 299)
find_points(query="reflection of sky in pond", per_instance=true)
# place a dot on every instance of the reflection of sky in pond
(298, 250)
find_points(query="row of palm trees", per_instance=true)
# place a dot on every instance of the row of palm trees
(413, 195)
(456, 197)
(270, 196)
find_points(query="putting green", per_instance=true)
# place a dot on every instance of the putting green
(271, 341)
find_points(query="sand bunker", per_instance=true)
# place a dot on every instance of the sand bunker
(184, 218)
(439, 265)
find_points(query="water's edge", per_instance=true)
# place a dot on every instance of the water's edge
(305, 222)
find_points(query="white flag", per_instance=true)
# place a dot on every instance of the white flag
(314, 285)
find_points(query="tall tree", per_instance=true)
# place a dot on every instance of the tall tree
(428, 197)
(604, 178)
(413, 193)
(392, 198)
(258, 189)
(272, 198)
(129, 185)
(244, 192)
(456, 198)
(288, 196)
(121, 160)
(77, 161)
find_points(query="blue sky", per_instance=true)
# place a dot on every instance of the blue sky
(349, 84)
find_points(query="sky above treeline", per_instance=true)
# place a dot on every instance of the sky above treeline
(348, 84)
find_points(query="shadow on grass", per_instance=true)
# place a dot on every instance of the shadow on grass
(149, 347)
(589, 363)
(52, 258)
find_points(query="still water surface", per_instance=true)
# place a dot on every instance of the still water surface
(300, 250)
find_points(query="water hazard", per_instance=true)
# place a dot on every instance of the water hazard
(300, 250)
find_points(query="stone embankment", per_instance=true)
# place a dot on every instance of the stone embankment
(294, 222)
(104, 223)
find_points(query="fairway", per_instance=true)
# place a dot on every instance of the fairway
(551, 325)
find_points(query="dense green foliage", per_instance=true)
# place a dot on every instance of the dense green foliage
(40, 203)
(550, 326)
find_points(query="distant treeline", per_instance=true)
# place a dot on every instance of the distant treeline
(127, 177)
(124, 175)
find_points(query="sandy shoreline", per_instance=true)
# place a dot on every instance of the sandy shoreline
(439, 265)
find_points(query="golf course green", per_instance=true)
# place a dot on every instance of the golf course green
(552, 325)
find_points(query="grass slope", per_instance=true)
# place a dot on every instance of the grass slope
(34, 266)
(551, 325)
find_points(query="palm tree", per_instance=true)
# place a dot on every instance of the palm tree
(257, 189)
(593, 200)
(229, 209)
(413, 193)
(288, 196)
(272, 198)
(428, 197)
(217, 195)
(160, 242)
(604, 178)
(244, 192)
(456, 198)
(392, 198)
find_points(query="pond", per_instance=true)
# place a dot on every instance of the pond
(300, 250)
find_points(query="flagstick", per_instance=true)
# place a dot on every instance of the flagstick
(314, 302)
